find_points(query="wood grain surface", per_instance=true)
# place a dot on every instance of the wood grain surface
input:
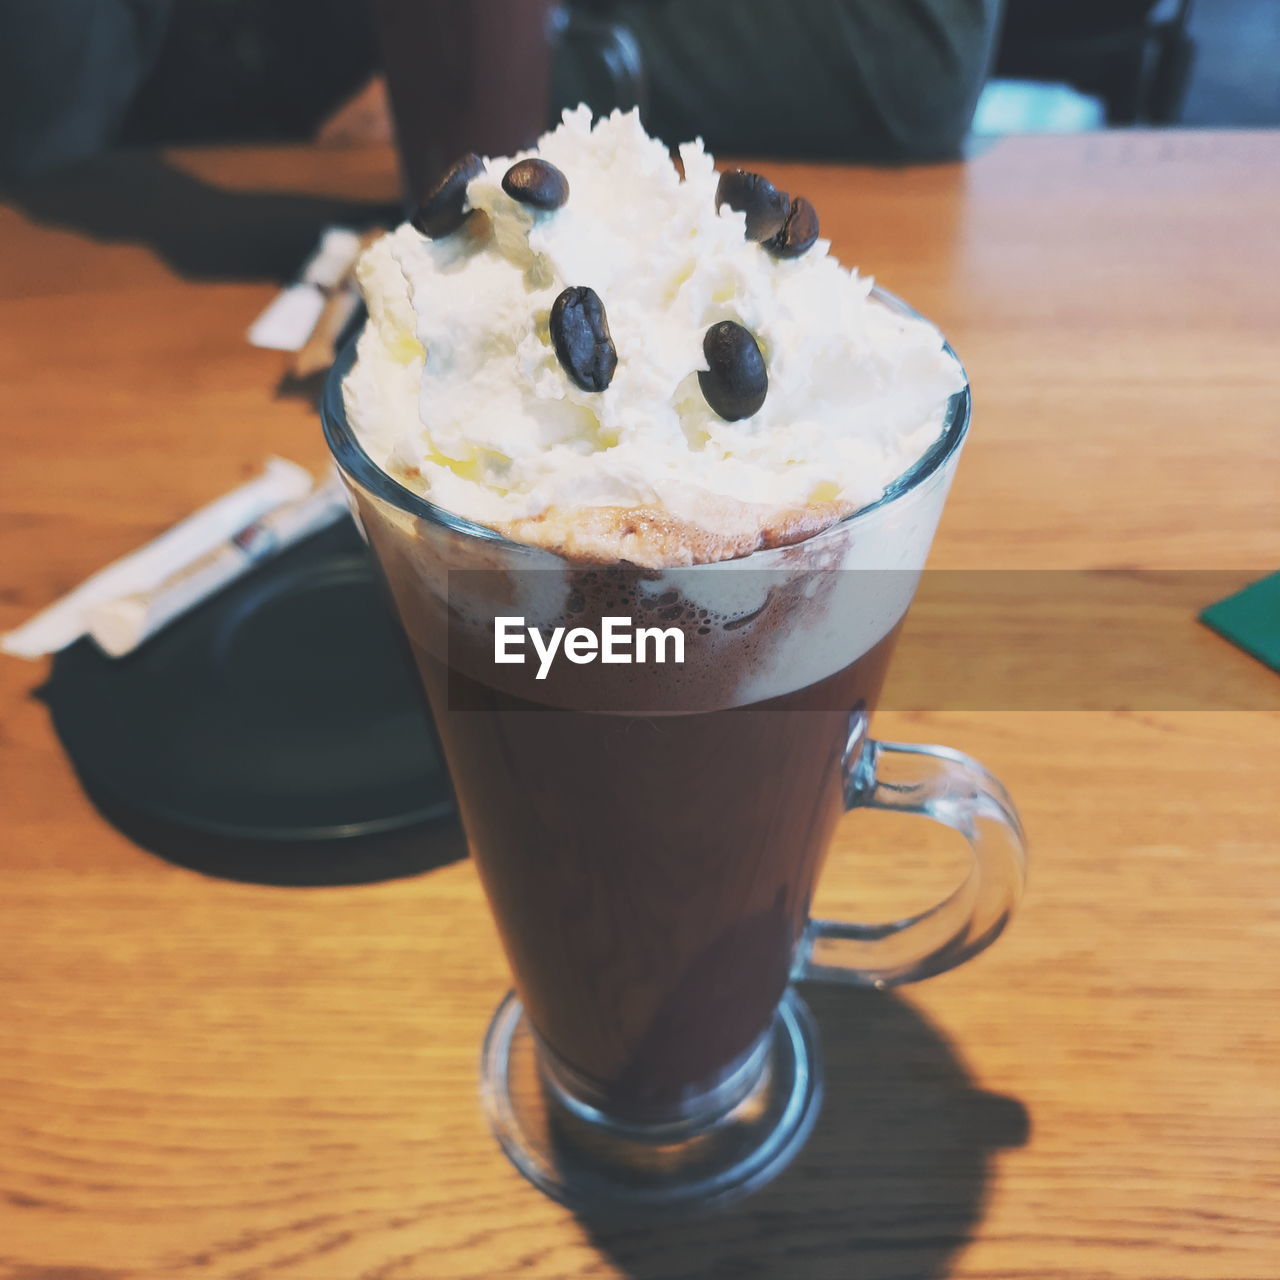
(207, 1078)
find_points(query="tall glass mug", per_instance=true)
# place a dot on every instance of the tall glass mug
(649, 832)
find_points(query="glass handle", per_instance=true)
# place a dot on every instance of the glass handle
(619, 53)
(949, 787)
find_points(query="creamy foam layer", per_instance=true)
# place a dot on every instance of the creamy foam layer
(457, 391)
(755, 629)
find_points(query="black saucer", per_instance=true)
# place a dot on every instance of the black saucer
(285, 709)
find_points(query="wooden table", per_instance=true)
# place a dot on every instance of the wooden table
(205, 1078)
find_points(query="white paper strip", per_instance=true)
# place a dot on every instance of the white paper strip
(66, 620)
(120, 625)
(291, 316)
(288, 319)
(329, 266)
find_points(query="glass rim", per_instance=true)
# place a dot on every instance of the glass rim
(351, 457)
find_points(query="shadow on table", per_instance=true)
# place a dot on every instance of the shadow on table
(892, 1183)
(200, 230)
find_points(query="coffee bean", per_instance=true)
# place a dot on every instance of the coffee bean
(757, 197)
(736, 383)
(580, 334)
(798, 232)
(440, 211)
(536, 183)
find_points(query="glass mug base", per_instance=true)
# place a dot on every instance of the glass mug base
(586, 1161)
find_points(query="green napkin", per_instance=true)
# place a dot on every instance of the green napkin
(1250, 619)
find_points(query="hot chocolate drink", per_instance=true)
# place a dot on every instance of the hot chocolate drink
(649, 889)
(633, 393)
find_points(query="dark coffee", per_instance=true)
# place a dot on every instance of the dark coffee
(649, 890)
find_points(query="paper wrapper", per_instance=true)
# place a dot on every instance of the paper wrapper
(136, 595)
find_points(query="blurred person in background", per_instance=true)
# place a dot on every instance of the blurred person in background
(878, 80)
(79, 76)
(875, 80)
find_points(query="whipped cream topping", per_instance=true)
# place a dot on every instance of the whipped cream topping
(458, 394)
